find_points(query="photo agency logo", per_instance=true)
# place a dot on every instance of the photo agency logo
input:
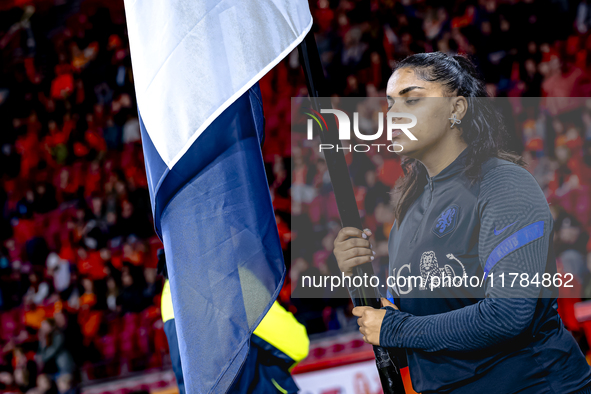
(393, 130)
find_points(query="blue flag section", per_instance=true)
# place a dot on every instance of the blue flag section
(214, 214)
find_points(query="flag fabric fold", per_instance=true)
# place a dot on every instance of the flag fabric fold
(196, 65)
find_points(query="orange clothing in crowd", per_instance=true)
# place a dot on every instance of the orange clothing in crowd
(92, 266)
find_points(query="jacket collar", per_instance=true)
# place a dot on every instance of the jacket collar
(455, 168)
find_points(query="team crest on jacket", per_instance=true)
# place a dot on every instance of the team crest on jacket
(447, 221)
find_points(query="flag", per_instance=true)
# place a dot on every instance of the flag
(196, 65)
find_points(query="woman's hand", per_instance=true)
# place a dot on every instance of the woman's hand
(352, 248)
(370, 321)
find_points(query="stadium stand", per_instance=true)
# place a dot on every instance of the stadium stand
(79, 294)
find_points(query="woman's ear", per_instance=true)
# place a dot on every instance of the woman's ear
(459, 106)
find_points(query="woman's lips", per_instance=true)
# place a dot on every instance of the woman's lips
(396, 133)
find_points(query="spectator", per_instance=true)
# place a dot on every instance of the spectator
(21, 379)
(88, 298)
(53, 355)
(131, 131)
(38, 290)
(44, 386)
(59, 270)
(25, 370)
(131, 297)
(65, 384)
(45, 198)
(152, 288)
(112, 294)
(8, 384)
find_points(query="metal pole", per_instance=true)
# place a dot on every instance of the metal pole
(343, 189)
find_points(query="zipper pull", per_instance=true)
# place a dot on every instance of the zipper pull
(430, 184)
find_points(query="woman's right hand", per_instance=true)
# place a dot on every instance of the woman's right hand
(352, 248)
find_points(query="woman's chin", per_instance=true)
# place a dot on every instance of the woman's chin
(403, 148)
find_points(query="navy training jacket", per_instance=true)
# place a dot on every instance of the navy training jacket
(486, 334)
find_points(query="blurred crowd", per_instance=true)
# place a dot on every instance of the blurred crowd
(79, 292)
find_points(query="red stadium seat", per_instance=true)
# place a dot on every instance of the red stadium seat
(144, 340)
(122, 391)
(316, 209)
(114, 325)
(107, 346)
(127, 344)
(160, 341)
(130, 321)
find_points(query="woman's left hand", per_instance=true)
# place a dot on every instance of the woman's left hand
(370, 321)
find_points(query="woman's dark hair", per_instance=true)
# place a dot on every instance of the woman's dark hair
(482, 126)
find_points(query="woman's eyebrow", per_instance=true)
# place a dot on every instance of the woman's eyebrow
(405, 90)
(408, 89)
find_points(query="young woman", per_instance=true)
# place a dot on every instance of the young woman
(466, 208)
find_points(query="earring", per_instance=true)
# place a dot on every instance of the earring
(454, 120)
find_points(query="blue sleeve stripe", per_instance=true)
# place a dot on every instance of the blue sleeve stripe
(389, 296)
(519, 239)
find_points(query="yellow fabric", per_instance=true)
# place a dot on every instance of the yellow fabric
(166, 303)
(281, 329)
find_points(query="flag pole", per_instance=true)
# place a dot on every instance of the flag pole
(343, 189)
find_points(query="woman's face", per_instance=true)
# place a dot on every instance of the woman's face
(426, 100)
(19, 377)
(43, 383)
(45, 327)
(127, 280)
(87, 285)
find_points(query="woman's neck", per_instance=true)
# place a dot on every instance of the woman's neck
(442, 156)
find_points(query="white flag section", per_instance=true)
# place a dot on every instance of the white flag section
(192, 58)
